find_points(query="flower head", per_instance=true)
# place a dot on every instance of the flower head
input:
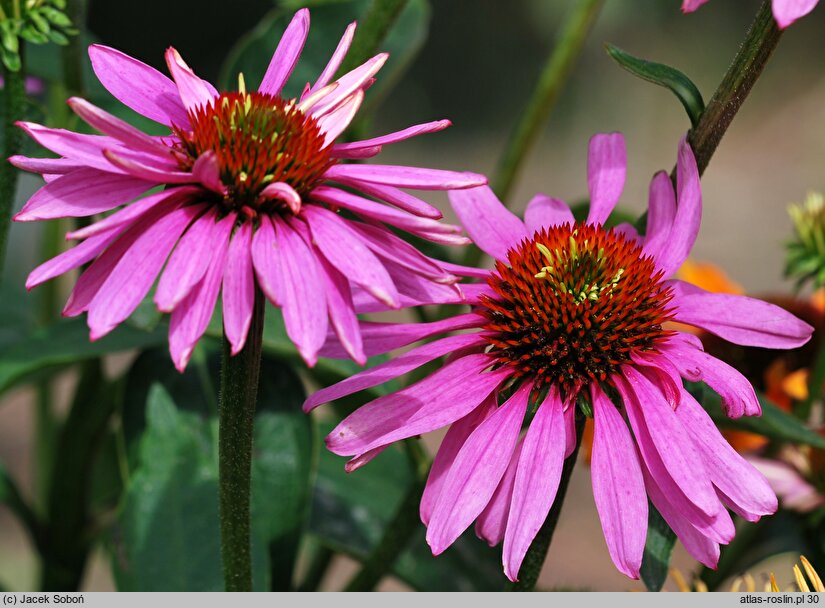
(250, 185)
(784, 11)
(576, 312)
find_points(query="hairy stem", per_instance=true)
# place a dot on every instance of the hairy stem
(236, 414)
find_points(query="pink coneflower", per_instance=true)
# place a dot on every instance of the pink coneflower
(574, 311)
(784, 11)
(250, 185)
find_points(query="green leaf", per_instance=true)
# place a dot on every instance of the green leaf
(10, 60)
(774, 423)
(665, 76)
(350, 511)
(252, 53)
(168, 534)
(65, 343)
(658, 550)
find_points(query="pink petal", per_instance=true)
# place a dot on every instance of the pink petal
(194, 92)
(265, 259)
(141, 170)
(688, 212)
(238, 288)
(156, 97)
(206, 171)
(490, 225)
(477, 470)
(336, 122)
(793, 490)
(117, 128)
(749, 493)
(52, 166)
(71, 259)
(606, 169)
(537, 480)
(347, 85)
(391, 138)
(450, 446)
(336, 59)
(742, 320)
(191, 317)
(440, 399)
(396, 197)
(570, 437)
(287, 54)
(660, 215)
(190, 261)
(283, 192)
(787, 11)
(688, 6)
(341, 310)
(492, 523)
(406, 177)
(133, 211)
(345, 250)
(81, 193)
(303, 298)
(393, 368)
(135, 273)
(544, 212)
(618, 486)
(86, 150)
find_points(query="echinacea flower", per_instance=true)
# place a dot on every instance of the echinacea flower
(242, 194)
(784, 11)
(575, 311)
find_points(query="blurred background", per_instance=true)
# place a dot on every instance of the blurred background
(477, 64)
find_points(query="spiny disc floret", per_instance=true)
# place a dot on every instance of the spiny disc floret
(573, 304)
(258, 139)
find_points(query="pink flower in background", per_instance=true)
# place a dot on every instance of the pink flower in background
(574, 310)
(784, 11)
(243, 192)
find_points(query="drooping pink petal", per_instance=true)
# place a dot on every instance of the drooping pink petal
(537, 481)
(81, 193)
(283, 192)
(476, 471)
(189, 261)
(660, 214)
(450, 446)
(337, 58)
(438, 400)
(136, 168)
(738, 396)
(490, 225)
(345, 250)
(206, 172)
(117, 128)
(133, 211)
(265, 254)
(688, 216)
(191, 317)
(341, 311)
(50, 166)
(618, 486)
(400, 176)
(287, 54)
(748, 491)
(393, 368)
(135, 273)
(303, 298)
(701, 548)
(742, 320)
(356, 462)
(380, 338)
(661, 373)
(238, 288)
(194, 92)
(787, 11)
(156, 97)
(606, 170)
(492, 523)
(396, 197)
(72, 258)
(544, 211)
(391, 138)
(688, 6)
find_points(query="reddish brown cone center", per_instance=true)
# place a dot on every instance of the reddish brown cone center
(258, 139)
(573, 304)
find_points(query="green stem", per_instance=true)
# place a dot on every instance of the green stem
(571, 38)
(236, 414)
(536, 554)
(400, 530)
(14, 93)
(372, 30)
(753, 55)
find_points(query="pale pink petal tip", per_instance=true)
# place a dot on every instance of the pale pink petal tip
(787, 11)
(688, 6)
